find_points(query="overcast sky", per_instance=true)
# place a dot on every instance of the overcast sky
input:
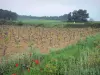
(51, 7)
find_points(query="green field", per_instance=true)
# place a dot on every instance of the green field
(36, 21)
(82, 58)
(47, 23)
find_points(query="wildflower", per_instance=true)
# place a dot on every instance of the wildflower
(36, 62)
(50, 71)
(7, 62)
(14, 74)
(1, 37)
(33, 60)
(48, 65)
(16, 65)
(6, 33)
(41, 69)
(30, 54)
(28, 70)
(54, 60)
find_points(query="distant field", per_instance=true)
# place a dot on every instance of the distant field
(47, 23)
(34, 21)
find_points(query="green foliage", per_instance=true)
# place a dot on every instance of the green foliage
(77, 16)
(7, 22)
(20, 23)
(63, 17)
(93, 24)
(80, 15)
(69, 17)
(7, 15)
(24, 17)
(2, 22)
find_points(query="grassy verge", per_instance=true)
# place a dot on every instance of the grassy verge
(82, 58)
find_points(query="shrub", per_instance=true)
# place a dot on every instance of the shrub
(7, 22)
(2, 22)
(20, 23)
(39, 25)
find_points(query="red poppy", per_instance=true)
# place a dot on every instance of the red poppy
(14, 74)
(36, 62)
(16, 65)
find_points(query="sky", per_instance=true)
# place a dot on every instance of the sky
(51, 7)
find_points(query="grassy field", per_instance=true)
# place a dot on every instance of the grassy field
(41, 21)
(51, 23)
(82, 58)
(47, 23)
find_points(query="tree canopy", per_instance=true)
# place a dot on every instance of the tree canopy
(78, 16)
(7, 15)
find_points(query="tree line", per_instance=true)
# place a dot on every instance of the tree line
(24, 17)
(75, 16)
(7, 15)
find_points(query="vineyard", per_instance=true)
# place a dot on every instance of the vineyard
(16, 39)
(29, 50)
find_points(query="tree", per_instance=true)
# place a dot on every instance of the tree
(83, 15)
(75, 16)
(80, 15)
(7, 15)
(63, 17)
(69, 17)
